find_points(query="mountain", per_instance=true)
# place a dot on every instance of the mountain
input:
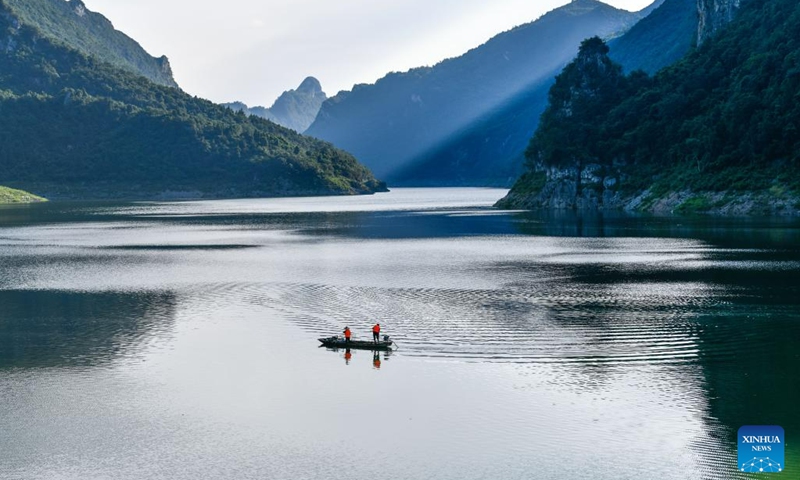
(74, 125)
(72, 24)
(715, 132)
(295, 109)
(714, 14)
(394, 123)
(490, 150)
(660, 39)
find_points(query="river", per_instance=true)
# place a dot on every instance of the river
(179, 340)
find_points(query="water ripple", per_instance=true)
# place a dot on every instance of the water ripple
(556, 323)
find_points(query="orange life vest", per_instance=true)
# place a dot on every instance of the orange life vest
(346, 333)
(376, 329)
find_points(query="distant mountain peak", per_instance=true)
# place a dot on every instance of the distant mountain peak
(581, 6)
(310, 85)
(295, 109)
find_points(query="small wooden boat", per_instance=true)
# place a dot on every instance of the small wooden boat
(339, 342)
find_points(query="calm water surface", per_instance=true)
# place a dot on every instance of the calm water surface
(178, 340)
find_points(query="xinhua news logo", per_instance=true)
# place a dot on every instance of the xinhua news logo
(761, 449)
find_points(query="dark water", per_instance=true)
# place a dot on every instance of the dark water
(178, 341)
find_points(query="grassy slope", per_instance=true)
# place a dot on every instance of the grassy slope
(10, 195)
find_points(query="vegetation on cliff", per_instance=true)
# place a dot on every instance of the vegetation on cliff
(721, 123)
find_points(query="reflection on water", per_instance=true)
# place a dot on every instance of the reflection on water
(377, 356)
(622, 345)
(68, 329)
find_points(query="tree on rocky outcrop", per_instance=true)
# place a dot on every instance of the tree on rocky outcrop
(584, 92)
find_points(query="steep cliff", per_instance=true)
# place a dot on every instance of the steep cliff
(716, 132)
(564, 157)
(72, 24)
(713, 15)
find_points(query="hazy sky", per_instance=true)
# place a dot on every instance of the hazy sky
(252, 50)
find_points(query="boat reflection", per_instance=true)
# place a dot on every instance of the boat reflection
(376, 360)
(378, 356)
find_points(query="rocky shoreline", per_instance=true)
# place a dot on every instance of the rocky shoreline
(592, 188)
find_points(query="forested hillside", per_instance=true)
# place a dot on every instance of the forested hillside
(73, 125)
(715, 132)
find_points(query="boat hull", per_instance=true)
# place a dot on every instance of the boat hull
(336, 342)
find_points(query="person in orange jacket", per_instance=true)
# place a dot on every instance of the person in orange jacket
(376, 332)
(347, 336)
